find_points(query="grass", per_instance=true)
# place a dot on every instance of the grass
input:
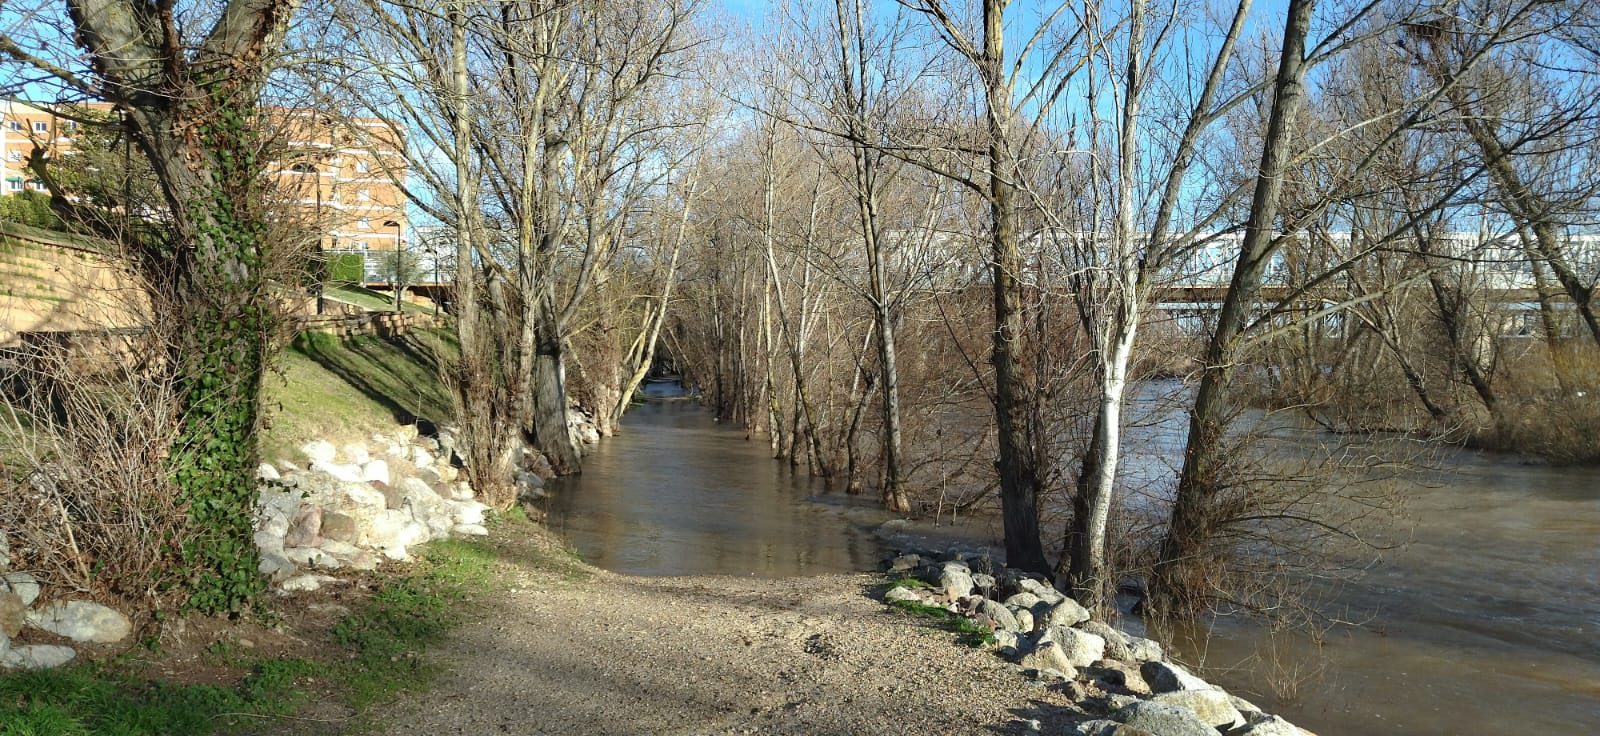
(969, 632)
(365, 298)
(376, 657)
(345, 390)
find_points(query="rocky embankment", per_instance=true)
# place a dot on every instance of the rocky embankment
(349, 507)
(1124, 679)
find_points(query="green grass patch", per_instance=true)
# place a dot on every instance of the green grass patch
(969, 632)
(378, 655)
(365, 298)
(346, 390)
(93, 699)
(404, 617)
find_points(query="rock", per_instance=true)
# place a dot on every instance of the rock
(1143, 650)
(1045, 675)
(12, 614)
(318, 452)
(1211, 706)
(1048, 655)
(391, 495)
(342, 471)
(427, 443)
(983, 583)
(432, 476)
(24, 585)
(338, 527)
(956, 580)
(81, 621)
(1065, 612)
(341, 550)
(393, 529)
(276, 503)
(1163, 719)
(1024, 618)
(1246, 707)
(1007, 642)
(5, 554)
(1003, 618)
(275, 565)
(1081, 648)
(1264, 725)
(1116, 643)
(267, 472)
(468, 512)
(375, 470)
(1041, 589)
(421, 458)
(305, 583)
(461, 491)
(1119, 675)
(37, 657)
(356, 453)
(448, 474)
(901, 593)
(285, 466)
(470, 530)
(398, 554)
(311, 557)
(1166, 677)
(1022, 600)
(364, 560)
(405, 433)
(904, 563)
(1102, 727)
(305, 526)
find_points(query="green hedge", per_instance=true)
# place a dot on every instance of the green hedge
(346, 266)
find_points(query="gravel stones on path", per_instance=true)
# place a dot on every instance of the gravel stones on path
(626, 655)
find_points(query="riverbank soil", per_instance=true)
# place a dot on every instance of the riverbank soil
(570, 649)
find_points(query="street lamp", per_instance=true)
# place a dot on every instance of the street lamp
(399, 266)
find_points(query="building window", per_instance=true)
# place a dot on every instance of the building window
(13, 185)
(363, 195)
(16, 125)
(364, 223)
(13, 156)
(40, 126)
(362, 167)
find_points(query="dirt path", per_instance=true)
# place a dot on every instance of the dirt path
(582, 651)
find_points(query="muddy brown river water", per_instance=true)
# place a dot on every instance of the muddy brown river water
(1487, 622)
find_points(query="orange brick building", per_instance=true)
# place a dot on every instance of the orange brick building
(342, 171)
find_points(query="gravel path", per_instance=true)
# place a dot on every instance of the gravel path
(597, 653)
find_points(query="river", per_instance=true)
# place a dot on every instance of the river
(1486, 622)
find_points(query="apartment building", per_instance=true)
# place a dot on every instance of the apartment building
(22, 127)
(347, 174)
(344, 174)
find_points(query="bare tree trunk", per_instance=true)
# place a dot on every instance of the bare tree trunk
(1182, 569)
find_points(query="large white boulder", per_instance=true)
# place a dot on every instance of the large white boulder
(376, 470)
(24, 585)
(81, 621)
(468, 512)
(349, 473)
(1079, 647)
(266, 472)
(356, 453)
(394, 528)
(319, 452)
(421, 458)
(37, 657)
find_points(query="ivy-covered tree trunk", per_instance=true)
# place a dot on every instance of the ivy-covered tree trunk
(189, 101)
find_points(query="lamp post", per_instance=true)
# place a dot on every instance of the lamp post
(399, 266)
(433, 292)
